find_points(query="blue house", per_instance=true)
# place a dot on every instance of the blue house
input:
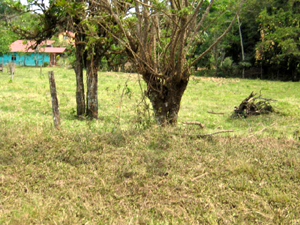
(22, 53)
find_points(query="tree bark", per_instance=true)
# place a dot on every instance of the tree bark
(92, 86)
(166, 100)
(80, 98)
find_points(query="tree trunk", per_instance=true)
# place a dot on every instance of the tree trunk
(242, 45)
(166, 100)
(80, 98)
(92, 87)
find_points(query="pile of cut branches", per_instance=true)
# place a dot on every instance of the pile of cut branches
(253, 106)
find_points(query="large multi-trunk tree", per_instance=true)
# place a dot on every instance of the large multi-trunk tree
(160, 38)
(92, 41)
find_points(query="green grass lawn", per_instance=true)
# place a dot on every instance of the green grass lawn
(123, 169)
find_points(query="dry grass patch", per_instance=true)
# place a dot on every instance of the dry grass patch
(147, 177)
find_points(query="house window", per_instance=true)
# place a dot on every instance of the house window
(13, 58)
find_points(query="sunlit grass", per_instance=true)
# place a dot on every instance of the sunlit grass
(221, 95)
(27, 98)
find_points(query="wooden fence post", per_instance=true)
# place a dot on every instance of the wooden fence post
(41, 71)
(55, 108)
(2, 65)
(11, 68)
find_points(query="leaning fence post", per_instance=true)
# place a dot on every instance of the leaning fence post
(55, 108)
(2, 66)
(41, 71)
(11, 68)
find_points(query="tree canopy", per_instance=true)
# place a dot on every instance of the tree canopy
(279, 47)
(270, 31)
(7, 14)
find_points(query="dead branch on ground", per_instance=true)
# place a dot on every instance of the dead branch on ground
(205, 135)
(201, 125)
(210, 134)
(198, 177)
(250, 107)
(218, 113)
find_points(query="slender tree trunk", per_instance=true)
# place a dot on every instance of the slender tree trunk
(92, 86)
(166, 100)
(242, 45)
(80, 98)
(80, 44)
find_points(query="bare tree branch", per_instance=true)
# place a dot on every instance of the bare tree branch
(216, 41)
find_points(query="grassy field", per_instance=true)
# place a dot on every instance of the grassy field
(123, 169)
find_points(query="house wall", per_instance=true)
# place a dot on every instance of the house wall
(65, 39)
(25, 59)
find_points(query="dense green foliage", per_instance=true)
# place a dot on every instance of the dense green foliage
(279, 48)
(7, 36)
(270, 31)
(220, 16)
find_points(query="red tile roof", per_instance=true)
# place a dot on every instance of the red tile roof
(70, 34)
(23, 46)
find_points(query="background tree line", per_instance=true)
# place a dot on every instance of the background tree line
(264, 42)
